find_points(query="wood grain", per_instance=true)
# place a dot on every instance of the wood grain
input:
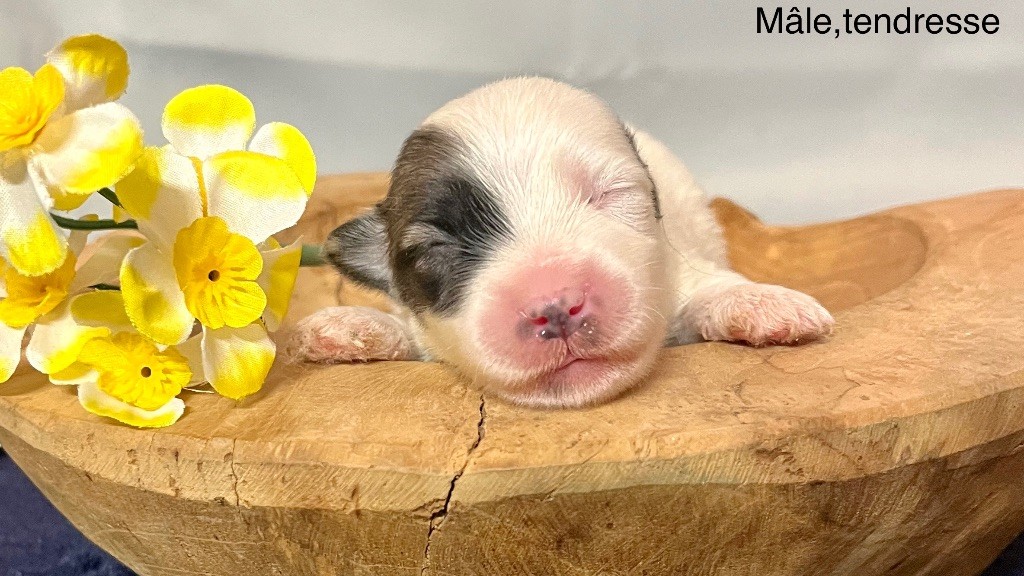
(895, 447)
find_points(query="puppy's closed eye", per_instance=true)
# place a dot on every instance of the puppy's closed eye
(630, 205)
(602, 198)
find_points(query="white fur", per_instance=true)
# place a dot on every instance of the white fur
(574, 192)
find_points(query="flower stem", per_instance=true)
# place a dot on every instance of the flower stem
(72, 224)
(311, 253)
(109, 195)
(312, 256)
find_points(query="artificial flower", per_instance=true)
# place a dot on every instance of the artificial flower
(208, 204)
(119, 373)
(135, 382)
(62, 137)
(44, 301)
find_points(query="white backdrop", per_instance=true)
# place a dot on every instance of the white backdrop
(798, 129)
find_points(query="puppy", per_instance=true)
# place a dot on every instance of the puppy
(546, 251)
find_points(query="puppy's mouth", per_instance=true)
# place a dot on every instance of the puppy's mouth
(570, 373)
(572, 365)
(574, 358)
(575, 381)
(571, 358)
(576, 369)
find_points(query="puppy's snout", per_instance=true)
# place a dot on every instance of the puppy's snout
(558, 317)
(553, 300)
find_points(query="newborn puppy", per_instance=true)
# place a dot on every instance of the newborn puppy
(545, 250)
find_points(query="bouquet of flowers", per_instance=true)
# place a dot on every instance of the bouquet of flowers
(188, 286)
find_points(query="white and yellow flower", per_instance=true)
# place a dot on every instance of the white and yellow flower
(119, 373)
(208, 205)
(45, 302)
(62, 137)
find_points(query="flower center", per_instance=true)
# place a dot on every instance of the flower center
(217, 271)
(134, 371)
(29, 297)
(28, 103)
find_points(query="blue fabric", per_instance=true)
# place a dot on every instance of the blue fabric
(35, 540)
(1010, 562)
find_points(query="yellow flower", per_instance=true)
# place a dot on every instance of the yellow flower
(119, 373)
(31, 100)
(29, 297)
(61, 138)
(208, 203)
(44, 301)
(134, 382)
(217, 271)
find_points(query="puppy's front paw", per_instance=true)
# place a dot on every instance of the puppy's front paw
(760, 314)
(349, 334)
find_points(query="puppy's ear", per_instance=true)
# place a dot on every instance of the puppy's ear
(359, 250)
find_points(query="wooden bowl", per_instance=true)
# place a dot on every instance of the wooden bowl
(895, 447)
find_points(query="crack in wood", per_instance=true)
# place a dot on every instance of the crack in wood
(234, 473)
(438, 517)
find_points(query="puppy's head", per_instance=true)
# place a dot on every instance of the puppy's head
(521, 230)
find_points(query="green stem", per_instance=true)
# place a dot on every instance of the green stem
(312, 255)
(72, 224)
(109, 195)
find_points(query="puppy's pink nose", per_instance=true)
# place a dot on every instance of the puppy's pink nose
(558, 317)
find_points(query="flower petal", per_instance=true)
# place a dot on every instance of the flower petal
(10, 350)
(280, 268)
(103, 264)
(162, 194)
(120, 214)
(102, 404)
(206, 120)
(29, 239)
(64, 201)
(77, 239)
(95, 69)
(58, 339)
(192, 350)
(284, 141)
(75, 374)
(236, 361)
(30, 297)
(88, 149)
(257, 195)
(27, 103)
(152, 298)
(101, 308)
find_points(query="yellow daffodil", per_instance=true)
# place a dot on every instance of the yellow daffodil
(119, 373)
(62, 137)
(208, 203)
(135, 382)
(43, 301)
